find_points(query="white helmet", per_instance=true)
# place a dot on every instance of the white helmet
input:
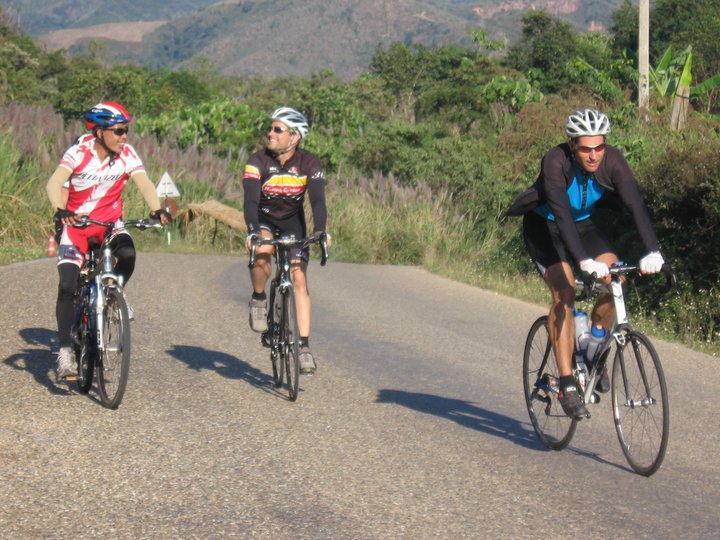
(587, 123)
(292, 119)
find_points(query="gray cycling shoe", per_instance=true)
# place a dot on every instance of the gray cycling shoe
(66, 363)
(307, 362)
(572, 404)
(258, 315)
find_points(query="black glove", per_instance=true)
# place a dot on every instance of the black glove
(63, 214)
(158, 214)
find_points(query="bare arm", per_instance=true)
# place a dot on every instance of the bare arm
(147, 190)
(54, 188)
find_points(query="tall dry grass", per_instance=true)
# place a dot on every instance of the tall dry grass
(374, 219)
(32, 141)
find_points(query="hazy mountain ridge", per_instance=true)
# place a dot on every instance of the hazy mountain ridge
(268, 38)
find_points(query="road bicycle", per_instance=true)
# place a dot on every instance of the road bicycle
(101, 326)
(638, 389)
(283, 335)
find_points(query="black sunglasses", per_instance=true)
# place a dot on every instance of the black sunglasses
(278, 129)
(117, 131)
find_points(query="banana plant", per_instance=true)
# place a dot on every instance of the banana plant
(671, 72)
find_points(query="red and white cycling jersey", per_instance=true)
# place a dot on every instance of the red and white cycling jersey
(96, 187)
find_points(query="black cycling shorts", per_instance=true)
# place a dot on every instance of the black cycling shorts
(545, 246)
(294, 225)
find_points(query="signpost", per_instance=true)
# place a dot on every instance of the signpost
(166, 189)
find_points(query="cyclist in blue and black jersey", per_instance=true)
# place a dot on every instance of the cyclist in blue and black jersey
(275, 182)
(558, 229)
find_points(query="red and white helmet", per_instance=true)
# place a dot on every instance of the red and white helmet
(106, 114)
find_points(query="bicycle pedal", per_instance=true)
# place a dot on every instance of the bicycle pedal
(70, 378)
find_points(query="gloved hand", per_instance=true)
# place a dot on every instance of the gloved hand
(591, 266)
(64, 217)
(63, 214)
(651, 263)
(320, 234)
(163, 215)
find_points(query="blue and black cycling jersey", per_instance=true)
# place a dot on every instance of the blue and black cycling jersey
(561, 194)
(583, 192)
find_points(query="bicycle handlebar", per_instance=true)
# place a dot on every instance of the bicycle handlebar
(291, 241)
(142, 224)
(588, 283)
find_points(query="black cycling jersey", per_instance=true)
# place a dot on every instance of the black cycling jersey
(277, 191)
(550, 196)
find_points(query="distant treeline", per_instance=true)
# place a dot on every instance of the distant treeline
(458, 130)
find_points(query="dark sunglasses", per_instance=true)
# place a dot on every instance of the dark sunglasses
(278, 129)
(587, 149)
(117, 131)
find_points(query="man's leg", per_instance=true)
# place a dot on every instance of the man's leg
(64, 312)
(304, 314)
(259, 274)
(561, 328)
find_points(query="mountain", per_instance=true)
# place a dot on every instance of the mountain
(270, 38)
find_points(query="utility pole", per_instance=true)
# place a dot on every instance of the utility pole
(644, 59)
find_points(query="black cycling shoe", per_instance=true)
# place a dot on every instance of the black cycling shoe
(603, 385)
(572, 403)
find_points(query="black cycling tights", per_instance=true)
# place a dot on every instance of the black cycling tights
(123, 249)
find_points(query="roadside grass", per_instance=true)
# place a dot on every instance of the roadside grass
(374, 220)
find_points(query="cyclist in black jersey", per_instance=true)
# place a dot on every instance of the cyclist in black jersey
(275, 182)
(558, 230)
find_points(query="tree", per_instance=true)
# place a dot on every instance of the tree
(624, 29)
(546, 45)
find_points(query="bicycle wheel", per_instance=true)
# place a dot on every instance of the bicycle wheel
(640, 404)
(85, 349)
(114, 353)
(540, 381)
(276, 357)
(291, 343)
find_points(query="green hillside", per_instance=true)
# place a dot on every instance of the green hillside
(268, 38)
(423, 151)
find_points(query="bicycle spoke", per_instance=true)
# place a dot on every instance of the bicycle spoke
(276, 356)
(540, 379)
(85, 348)
(291, 340)
(640, 404)
(114, 357)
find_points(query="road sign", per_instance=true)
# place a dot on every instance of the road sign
(166, 187)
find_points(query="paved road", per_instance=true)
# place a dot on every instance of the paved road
(414, 427)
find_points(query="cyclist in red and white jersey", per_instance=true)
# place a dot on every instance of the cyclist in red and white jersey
(275, 182)
(89, 180)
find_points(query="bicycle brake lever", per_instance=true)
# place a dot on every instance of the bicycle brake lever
(82, 221)
(670, 277)
(325, 255)
(251, 262)
(588, 280)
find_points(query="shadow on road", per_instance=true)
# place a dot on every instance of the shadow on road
(464, 413)
(223, 364)
(38, 359)
(471, 416)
